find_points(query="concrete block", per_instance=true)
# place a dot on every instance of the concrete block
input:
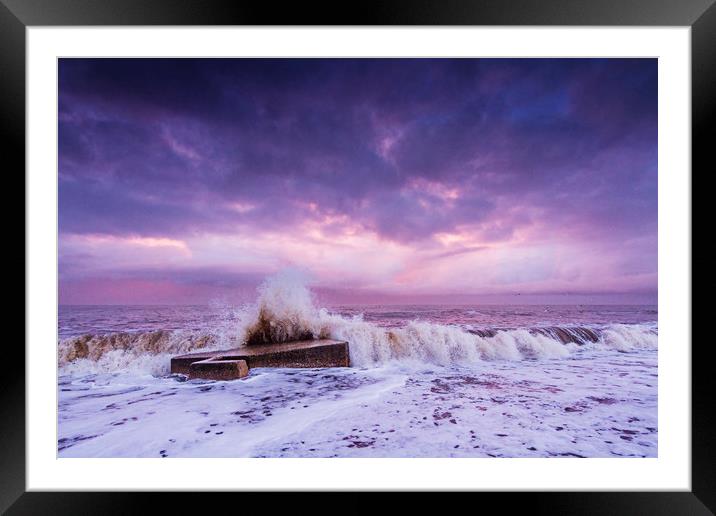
(305, 353)
(218, 369)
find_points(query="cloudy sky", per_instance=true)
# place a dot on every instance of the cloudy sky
(182, 181)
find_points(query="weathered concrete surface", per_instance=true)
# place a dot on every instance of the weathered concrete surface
(181, 364)
(305, 353)
(219, 369)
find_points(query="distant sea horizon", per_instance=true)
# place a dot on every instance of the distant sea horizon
(482, 300)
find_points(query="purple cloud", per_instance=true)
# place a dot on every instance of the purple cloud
(435, 155)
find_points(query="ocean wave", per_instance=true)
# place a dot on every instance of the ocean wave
(144, 352)
(285, 311)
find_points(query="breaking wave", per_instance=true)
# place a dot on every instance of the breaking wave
(143, 352)
(285, 311)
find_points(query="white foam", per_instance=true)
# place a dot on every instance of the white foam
(596, 405)
(629, 337)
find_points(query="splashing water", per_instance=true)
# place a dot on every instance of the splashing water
(285, 310)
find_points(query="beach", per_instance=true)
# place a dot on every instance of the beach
(423, 381)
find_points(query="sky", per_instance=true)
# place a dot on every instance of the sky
(380, 180)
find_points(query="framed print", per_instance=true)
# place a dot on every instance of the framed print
(445, 248)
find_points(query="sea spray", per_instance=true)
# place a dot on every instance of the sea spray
(284, 312)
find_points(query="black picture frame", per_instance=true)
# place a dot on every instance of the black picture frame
(17, 15)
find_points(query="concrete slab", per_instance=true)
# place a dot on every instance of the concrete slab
(181, 364)
(305, 353)
(219, 369)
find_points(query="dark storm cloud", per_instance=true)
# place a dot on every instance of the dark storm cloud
(406, 148)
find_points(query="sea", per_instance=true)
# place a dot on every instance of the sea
(424, 381)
